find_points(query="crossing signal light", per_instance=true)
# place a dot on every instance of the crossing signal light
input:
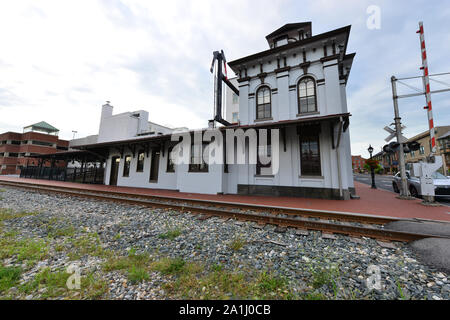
(407, 147)
(391, 147)
(414, 146)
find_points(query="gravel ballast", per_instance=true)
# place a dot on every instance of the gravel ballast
(308, 262)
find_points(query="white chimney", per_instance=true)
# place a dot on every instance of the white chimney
(107, 110)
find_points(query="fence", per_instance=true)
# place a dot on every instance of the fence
(85, 175)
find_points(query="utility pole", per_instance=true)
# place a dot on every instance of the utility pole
(398, 129)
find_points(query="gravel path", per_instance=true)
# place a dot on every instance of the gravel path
(334, 269)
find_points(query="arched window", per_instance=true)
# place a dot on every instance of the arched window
(307, 101)
(263, 103)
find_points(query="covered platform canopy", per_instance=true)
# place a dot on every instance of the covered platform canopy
(147, 142)
(135, 144)
(73, 155)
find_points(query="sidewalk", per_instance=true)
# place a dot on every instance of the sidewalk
(375, 202)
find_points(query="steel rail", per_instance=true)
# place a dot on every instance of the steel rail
(324, 226)
(321, 214)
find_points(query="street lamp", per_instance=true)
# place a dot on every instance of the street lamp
(372, 172)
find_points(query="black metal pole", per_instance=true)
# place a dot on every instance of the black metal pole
(372, 173)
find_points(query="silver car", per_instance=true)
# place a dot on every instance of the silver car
(441, 185)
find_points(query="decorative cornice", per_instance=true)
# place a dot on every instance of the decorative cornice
(296, 44)
(330, 65)
(287, 68)
(305, 66)
(329, 58)
(262, 76)
(243, 79)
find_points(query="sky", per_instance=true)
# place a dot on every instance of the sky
(61, 60)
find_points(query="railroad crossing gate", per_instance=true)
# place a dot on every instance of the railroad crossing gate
(392, 134)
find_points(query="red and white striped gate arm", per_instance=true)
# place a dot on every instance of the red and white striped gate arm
(426, 81)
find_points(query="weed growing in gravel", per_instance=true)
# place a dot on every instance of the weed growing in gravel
(269, 283)
(225, 284)
(52, 284)
(400, 291)
(8, 214)
(137, 274)
(314, 296)
(88, 244)
(127, 263)
(9, 277)
(170, 265)
(136, 265)
(216, 267)
(25, 250)
(237, 244)
(171, 234)
(57, 227)
(322, 276)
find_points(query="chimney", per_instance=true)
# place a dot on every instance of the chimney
(107, 110)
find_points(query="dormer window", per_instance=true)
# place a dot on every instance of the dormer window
(307, 99)
(263, 103)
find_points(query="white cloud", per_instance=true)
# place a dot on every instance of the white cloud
(60, 60)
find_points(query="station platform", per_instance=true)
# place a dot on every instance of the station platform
(372, 201)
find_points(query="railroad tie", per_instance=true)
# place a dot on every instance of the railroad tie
(326, 235)
(301, 232)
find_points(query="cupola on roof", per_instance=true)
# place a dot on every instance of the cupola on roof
(290, 32)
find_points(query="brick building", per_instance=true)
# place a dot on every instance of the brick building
(444, 148)
(425, 146)
(17, 149)
(358, 163)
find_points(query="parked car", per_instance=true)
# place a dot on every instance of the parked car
(441, 184)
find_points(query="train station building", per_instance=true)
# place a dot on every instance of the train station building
(296, 88)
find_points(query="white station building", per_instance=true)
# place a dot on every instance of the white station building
(297, 86)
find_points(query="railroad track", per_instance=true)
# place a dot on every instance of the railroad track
(355, 225)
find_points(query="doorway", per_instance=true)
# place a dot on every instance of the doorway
(154, 167)
(115, 161)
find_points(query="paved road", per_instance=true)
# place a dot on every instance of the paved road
(382, 182)
(385, 183)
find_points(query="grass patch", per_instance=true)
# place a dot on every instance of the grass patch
(26, 250)
(170, 234)
(9, 277)
(125, 263)
(270, 283)
(237, 244)
(52, 284)
(314, 296)
(175, 266)
(226, 285)
(8, 214)
(137, 274)
(321, 276)
(88, 244)
(55, 231)
(192, 281)
(136, 266)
